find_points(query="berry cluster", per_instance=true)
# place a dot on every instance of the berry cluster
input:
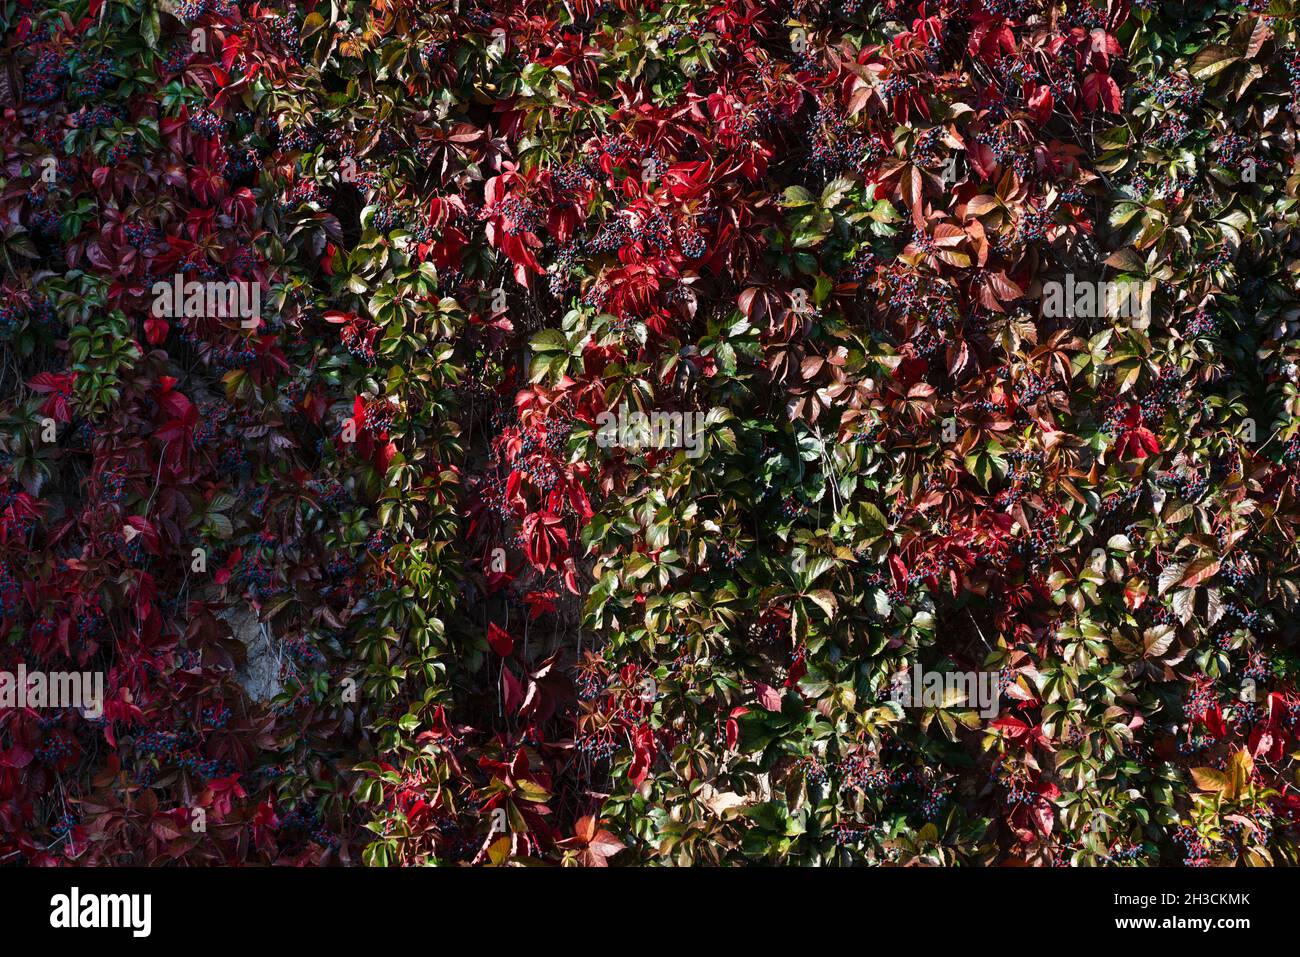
(205, 122)
(836, 146)
(861, 772)
(43, 82)
(518, 216)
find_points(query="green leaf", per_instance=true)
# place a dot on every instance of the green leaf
(549, 340)
(796, 196)
(1211, 61)
(872, 519)
(149, 28)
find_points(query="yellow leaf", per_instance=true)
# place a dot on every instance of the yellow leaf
(1258, 857)
(499, 851)
(1208, 779)
(1240, 769)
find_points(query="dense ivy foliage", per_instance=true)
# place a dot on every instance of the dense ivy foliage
(827, 232)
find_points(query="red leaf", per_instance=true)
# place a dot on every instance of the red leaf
(768, 696)
(1101, 88)
(1043, 817)
(603, 845)
(1041, 103)
(1138, 443)
(639, 768)
(1110, 95)
(512, 691)
(155, 331)
(500, 641)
